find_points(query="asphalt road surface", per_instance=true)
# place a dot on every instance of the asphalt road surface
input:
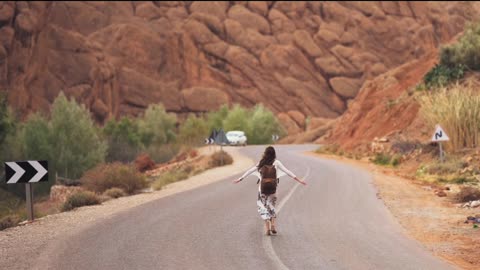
(335, 222)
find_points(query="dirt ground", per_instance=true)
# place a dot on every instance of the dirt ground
(436, 222)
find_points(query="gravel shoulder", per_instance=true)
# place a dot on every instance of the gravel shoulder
(22, 246)
(433, 221)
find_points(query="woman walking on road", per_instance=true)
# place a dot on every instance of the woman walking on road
(267, 198)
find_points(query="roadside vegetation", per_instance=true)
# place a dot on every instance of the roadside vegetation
(186, 170)
(100, 158)
(455, 60)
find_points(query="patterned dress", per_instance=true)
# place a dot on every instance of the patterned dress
(266, 203)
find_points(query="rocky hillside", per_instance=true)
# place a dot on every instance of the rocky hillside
(298, 58)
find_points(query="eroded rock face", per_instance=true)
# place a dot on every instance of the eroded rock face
(310, 58)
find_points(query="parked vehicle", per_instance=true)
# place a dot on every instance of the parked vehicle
(236, 137)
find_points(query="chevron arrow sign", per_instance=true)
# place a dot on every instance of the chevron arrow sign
(31, 171)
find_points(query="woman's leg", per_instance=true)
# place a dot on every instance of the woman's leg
(273, 227)
(267, 227)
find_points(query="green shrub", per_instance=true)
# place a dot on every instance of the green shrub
(124, 139)
(157, 127)
(9, 221)
(79, 199)
(395, 161)
(114, 193)
(382, 159)
(107, 176)
(457, 110)
(219, 158)
(168, 178)
(442, 75)
(193, 131)
(467, 194)
(464, 52)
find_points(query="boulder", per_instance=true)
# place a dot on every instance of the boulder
(204, 99)
(346, 87)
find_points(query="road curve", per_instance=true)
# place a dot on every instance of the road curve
(336, 222)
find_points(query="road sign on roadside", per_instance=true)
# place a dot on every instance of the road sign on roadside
(31, 171)
(27, 172)
(439, 135)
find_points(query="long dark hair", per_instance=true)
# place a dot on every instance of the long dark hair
(268, 157)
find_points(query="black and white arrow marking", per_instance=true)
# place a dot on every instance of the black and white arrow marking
(209, 141)
(31, 171)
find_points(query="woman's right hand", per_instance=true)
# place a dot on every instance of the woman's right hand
(238, 180)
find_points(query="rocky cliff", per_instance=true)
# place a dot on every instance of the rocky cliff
(298, 58)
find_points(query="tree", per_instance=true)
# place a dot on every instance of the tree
(35, 138)
(157, 126)
(75, 144)
(263, 124)
(124, 139)
(215, 119)
(193, 131)
(237, 119)
(6, 119)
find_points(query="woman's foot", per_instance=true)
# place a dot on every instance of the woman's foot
(268, 227)
(273, 230)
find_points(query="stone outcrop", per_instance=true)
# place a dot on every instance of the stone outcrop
(119, 57)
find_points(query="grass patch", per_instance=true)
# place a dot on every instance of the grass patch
(457, 110)
(168, 178)
(80, 199)
(456, 180)
(451, 166)
(385, 159)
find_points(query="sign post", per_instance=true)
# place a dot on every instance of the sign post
(27, 172)
(29, 202)
(440, 136)
(221, 139)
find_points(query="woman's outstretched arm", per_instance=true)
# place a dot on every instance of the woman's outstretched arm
(247, 173)
(288, 172)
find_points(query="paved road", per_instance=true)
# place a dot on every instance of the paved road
(336, 222)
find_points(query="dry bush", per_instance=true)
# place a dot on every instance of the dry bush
(328, 149)
(457, 110)
(467, 194)
(9, 221)
(220, 158)
(144, 163)
(114, 193)
(80, 199)
(107, 176)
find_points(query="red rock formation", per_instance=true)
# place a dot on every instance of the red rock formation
(118, 57)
